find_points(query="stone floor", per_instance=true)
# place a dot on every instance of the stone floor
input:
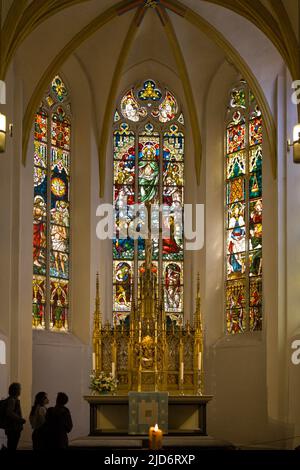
(141, 442)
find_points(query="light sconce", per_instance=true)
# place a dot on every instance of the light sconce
(2, 132)
(295, 144)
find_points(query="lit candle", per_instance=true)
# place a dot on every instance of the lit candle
(155, 438)
(181, 371)
(94, 361)
(151, 431)
(113, 369)
(199, 360)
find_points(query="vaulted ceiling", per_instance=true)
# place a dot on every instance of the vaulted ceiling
(190, 38)
(278, 20)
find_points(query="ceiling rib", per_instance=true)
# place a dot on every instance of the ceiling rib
(112, 96)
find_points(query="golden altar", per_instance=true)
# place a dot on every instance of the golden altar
(109, 414)
(149, 354)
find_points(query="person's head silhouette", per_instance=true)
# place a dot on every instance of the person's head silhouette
(62, 399)
(14, 390)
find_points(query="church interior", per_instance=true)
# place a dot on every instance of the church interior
(193, 105)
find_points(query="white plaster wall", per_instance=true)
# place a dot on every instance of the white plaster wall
(276, 316)
(50, 37)
(292, 273)
(3, 377)
(6, 4)
(254, 47)
(293, 371)
(16, 238)
(293, 10)
(6, 185)
(6, 190)
(292, 216)
(61, 364)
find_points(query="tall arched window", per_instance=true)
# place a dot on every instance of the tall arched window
(51, 218)
(148, 169)
(243, 212)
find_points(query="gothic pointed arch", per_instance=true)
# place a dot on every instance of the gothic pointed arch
(243, 211)
(148, 170)
(51, 209)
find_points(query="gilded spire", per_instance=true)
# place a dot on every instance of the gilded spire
(97, 314)
(97, 293)
(162, 294)
(97, 328)
(148, 240)
(132, 314)
(148, 277)
(197, 315)
(162, 305)
(133, 309)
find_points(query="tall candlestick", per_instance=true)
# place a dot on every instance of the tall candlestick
(199, 360)
(94, 361)
(181, 371)
(113, 369)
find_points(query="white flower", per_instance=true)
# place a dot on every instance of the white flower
(103, 382)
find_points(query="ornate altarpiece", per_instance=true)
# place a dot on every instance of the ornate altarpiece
(149, 354)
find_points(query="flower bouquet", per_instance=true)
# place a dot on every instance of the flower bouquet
(103, 383)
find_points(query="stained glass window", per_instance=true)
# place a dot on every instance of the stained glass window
(243, 220)
(149, 170)
(51, 218)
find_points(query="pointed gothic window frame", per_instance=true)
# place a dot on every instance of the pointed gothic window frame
(243, 199)
(52, 210)
(150, 120)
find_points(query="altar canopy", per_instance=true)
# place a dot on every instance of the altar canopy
(149, 354)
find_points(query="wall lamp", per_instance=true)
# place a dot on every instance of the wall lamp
(3, 118)
(295, 144)
(2, 132)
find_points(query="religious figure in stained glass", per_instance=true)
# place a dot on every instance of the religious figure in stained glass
(51, 218)
(243, 176)
(39, 234)
(148, 169)
(167, 110)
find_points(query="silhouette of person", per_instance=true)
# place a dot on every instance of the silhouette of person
(37, 418)
(58, 423)
(14, 420)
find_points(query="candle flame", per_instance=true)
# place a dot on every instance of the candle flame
(156, 428)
